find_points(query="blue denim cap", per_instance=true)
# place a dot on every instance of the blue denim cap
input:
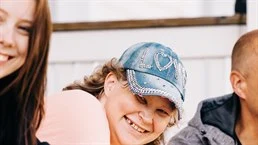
(154, 69)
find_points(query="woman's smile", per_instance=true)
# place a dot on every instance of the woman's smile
(4, 58)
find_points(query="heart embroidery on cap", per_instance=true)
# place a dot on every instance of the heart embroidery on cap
(162, 54)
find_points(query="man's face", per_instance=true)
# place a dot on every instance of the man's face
(252, 84)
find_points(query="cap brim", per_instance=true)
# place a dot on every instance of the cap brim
(145, 84)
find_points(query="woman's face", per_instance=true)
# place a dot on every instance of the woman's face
(15, 24)
(134, 119)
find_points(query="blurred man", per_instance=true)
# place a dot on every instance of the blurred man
(231, 119)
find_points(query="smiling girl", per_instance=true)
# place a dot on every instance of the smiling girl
(25, 29)
(138, 96)
(130, 101)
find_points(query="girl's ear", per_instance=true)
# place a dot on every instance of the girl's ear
(110, 83)
(238, 83)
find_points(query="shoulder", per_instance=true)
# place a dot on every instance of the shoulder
(74, 100)
(187, 136)
(75, 96)
(74, 117)
(75, 103)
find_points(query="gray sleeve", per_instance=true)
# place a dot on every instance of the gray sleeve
(187, 136)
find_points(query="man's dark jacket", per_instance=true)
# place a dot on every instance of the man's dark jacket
(213, 123)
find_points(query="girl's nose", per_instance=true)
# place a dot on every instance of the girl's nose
(7, 36)
(147, 116)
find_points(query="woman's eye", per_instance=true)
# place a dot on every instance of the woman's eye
(1, 19)
(24, 29)
(142, 100)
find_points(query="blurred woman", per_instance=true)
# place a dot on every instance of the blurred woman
(25, 29)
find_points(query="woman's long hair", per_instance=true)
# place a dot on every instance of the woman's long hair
(94, 84)
(22, 92)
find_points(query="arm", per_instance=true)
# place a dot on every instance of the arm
(74, 118)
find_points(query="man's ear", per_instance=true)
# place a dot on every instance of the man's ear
(110, 83)
(238, 83)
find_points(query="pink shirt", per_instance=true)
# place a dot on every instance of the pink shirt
(74, 118)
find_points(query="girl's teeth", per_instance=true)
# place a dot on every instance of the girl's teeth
(140, 130)
(3, 57)
(137, 128)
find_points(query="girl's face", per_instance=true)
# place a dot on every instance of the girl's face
(15, 24)
(133, 119)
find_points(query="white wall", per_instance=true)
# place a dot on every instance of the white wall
(252, 15)
(107, 10)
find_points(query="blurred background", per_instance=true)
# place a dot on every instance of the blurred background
(202, 32)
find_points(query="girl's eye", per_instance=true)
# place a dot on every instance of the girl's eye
(142, 100)
(163, 112)
(24, 30)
